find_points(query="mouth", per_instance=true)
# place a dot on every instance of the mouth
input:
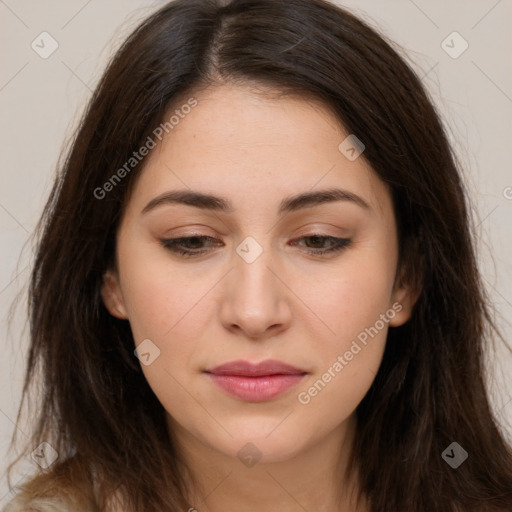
(256, 382)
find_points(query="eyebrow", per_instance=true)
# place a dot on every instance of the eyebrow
(287, 205)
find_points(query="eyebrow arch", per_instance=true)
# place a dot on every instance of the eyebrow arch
(287, 205)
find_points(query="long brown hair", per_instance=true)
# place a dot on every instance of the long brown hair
(98, 411)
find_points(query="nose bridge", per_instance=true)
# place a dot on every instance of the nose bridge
(256, 298)
(252, 273)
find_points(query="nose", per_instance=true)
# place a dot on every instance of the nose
(256, 300)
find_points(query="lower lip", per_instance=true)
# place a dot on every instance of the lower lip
(256, 389)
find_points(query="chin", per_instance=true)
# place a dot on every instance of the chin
(257, 445)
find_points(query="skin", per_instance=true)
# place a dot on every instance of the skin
(289, 304)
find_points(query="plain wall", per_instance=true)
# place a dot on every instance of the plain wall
(41, 101)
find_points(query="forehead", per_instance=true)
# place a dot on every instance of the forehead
(254, 149)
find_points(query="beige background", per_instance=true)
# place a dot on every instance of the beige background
(41, 100)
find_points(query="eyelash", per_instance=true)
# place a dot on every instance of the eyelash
(173, 244)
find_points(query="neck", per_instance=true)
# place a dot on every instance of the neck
(315, 479)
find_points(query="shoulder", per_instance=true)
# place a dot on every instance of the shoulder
(24, 503)
(43, 494)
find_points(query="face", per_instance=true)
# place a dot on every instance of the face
(273, 269)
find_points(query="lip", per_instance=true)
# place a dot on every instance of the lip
(256, 382)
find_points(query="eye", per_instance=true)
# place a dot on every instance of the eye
(193, 245)
(337, 244)
(176, 245)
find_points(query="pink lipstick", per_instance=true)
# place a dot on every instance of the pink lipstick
(255, 382)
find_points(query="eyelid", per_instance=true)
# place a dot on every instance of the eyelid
(338, 244)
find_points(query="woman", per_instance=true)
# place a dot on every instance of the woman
(256, 284)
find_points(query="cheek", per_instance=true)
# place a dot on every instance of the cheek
(349, 298)
(164, 306)
(159, 298)
(167, 306)
(356, 308)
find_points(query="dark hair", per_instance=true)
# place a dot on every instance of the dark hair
(430, 389)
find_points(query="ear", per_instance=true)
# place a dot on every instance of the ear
(112, 295)
(405, 295)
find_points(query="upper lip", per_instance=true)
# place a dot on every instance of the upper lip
(248, 369)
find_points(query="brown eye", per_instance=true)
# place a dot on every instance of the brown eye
(317, 244)
(193, 245)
